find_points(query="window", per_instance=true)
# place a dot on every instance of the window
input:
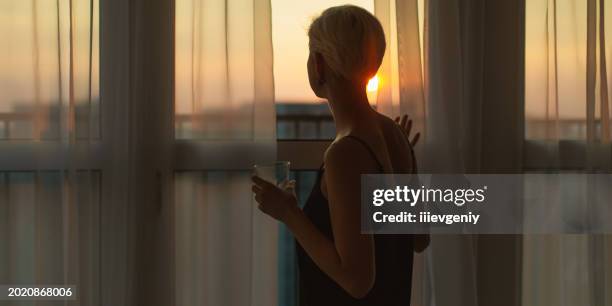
(566, 112)
(555, 70)
(34, 79)
(300, 114)
(566, 131)
(49, 202)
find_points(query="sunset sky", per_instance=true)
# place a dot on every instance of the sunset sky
(290, 21)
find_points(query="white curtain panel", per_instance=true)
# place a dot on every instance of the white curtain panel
(87, 187)
(430, 82)
(567, 81)
(226, 249)
(49, 139)
(402, 92)
(450, 104)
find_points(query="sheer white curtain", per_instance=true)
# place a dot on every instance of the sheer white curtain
(474, 108)
(85, 152)
(567, 105)
(425, 48)
(450, 260)
(438, 68)
(226, 250)
(87, 184)
(50, 180)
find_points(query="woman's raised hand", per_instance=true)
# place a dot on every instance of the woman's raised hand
(274, 201)
(406, 125)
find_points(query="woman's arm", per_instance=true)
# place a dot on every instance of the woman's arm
(349, 260)
(421, 242)
(353, 265)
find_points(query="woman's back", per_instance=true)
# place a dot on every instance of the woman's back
(384, 143)
(389, 143)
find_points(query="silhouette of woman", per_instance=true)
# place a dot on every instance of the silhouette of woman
(337, 264)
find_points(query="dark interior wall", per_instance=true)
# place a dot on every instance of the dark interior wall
(136, 49)
(503, 82)
(499, 256)
(152, 51)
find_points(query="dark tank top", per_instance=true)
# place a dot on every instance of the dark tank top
(393, 253)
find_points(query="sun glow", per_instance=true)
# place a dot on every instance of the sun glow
(372, 84)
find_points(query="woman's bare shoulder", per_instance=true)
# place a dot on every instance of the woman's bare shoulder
(350, 151)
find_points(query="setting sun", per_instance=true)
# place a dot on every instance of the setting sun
(372, 84)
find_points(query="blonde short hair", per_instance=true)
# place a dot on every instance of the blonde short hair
(350, 39)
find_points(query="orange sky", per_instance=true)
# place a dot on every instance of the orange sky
(290, 21)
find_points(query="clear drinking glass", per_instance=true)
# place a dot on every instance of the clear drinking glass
(276, 173)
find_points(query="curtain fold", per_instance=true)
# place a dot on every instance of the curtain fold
(226, 250)
(386, 101)
(567, 114)
(443, 87)
(436, 88)
(474, 110)
(452, 259)
(49, 114)
(410, 46)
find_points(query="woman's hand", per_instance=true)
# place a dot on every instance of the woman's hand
(276, 202)
(406, 126)
(421, 242)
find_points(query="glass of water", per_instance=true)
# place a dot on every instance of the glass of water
(276, 173)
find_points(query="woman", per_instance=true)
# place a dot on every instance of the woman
(337, 264)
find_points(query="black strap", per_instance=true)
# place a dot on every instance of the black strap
(365, 144)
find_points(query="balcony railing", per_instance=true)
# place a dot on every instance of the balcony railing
(294, 122)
